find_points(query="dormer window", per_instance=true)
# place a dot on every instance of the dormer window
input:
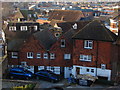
(62, 42)
(35, 28)
(75, 26)
(23, 28)
(88, 44)
(12, 28)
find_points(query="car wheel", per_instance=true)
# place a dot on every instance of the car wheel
(37, 78)
(11, 77)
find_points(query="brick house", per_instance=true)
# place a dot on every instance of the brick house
(92, 50)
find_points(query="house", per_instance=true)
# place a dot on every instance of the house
(24, 15)
(66, 15)
(23, 26)
(114, 21)
(92, 50)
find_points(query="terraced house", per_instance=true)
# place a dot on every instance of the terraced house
(84, 48)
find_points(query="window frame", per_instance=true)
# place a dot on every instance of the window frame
(62, 41)
(30, 55)
(103, 66)
(45, 56)
(52, 56)
(38, 54)
(23, 28)
(12, 28)
(67, 56)
(13, 55)
(82, 57)
(88, 44)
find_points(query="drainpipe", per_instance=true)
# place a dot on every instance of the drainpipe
(97, 56)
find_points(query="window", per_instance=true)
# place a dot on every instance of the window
(23, 28)
(62, 43)
(38, 55)
(88, 44)
(29, 15)
(45, 55)
(14, 55)
(12, 28)
(35, 28)
(103, 66)
(67, 56)
(92, 70)
(85, 57)
(29, 54)
(87, 70)
(52, 56)
(34, 15)
(24, 63)
(75, 26)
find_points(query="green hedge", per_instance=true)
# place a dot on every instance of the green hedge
(24, 87)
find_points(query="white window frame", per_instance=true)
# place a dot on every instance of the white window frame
(45, 55)
(93, 70)
(85, 57)
(88, 44)
(23, 28)
(29, 54)
(62, 41)
(67, 56)
(52, 56)
(12, 28)
(103, 66)
(38, 55)
(14, 55)
(75, 26)
(35, 27)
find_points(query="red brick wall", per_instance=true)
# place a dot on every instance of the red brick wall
(59, 60)
(104, 53)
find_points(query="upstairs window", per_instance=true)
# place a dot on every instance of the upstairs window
(29, 15)
(38, 55)
(85, 57)
(14, 55)
(88, 44)
(62, 42)
(12, 28)
(45, 55)
(29, 54)
(52, 56)
(103, 66)
(67, 56)
(23, 28)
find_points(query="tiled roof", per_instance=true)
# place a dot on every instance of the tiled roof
(95, 30)
(46, 38)
(66, 15)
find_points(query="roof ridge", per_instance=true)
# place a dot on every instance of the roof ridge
(82, 28)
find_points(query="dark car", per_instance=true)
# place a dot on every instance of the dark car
(47, 75)
(19, 73)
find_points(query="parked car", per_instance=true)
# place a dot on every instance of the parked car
(19, 73)
(47, 75)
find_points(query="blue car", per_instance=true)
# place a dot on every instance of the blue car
(19, 73)
(47, 75)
